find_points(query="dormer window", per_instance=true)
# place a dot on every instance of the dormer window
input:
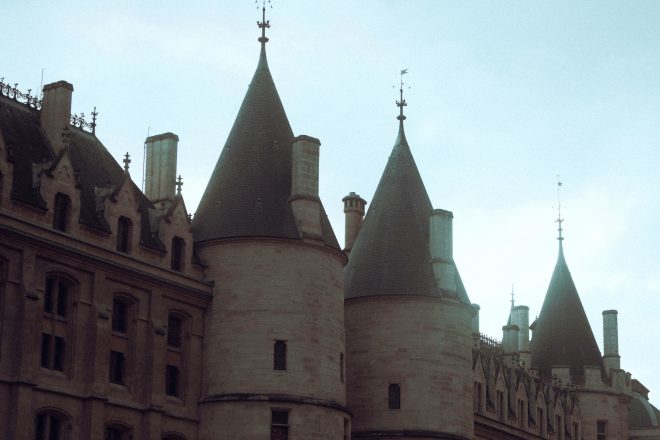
(124, 227)
(61, 212)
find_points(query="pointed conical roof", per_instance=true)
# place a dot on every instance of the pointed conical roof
(391, 254)
(247, 195)
(563, 336)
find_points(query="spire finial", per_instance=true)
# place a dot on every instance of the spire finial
(127, 161)
(263, 24)
(179, 184)
(559, 219)
(402, 103)
(512, 298)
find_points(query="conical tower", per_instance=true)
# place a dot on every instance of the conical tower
(274, 332)
(408, 333)
(563, 347)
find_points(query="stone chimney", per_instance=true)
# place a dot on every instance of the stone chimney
(611, 358)
(304, 198)
(441, 246)
(476, 333)
(56, 112)
(510, 335)
(160, 172)
(354, 215)
(520, 318)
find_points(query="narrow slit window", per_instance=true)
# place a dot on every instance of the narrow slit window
(174, 330)
(394, 396)
(61, 212)
(124, 227)
(178, 247)
(117, 361)
(171, 380)
(119, 315)
(279, 355)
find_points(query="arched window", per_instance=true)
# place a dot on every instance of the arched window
(178, 253)
(118, 431)
(124, 229)
(51, 424)
(61, 212)
(58, 296)
(279, 355)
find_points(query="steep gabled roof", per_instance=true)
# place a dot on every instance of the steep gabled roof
(563, 336)
(247, 195)
(391, 253)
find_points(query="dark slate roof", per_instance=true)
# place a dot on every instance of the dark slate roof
(247, 195)
(94, 166)
(391, 253)
(27, 143)
(642, 414)
(563, 336)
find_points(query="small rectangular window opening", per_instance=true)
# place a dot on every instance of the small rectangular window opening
(174, 330)
(279, 355)
(601, 430)
(123, 234)
(119, 316)
(117, 361)
(394, 396)
(279, 428)
(178, 247)
(341, 367)
(61, 211)
(172, 380)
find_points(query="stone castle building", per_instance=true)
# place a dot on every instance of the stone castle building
(121, 317)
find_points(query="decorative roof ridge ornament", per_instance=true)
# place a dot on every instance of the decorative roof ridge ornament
(559, 220)
(263, 24)
(127, 162)
(402, 103)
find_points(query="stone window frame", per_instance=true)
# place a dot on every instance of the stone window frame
(57, 321)
(122, 337)
(177, 354)
(43, 421)
(124, 234)
(178, 251)
(280, 423)
(116, 430)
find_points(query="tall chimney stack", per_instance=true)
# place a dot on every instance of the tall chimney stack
(520, 318)
(354, 216)
(160, 172)
(304, 198)
(611, 358)
(441, 247)
(56, 111)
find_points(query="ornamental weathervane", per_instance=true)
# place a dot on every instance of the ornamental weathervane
(559, 219)
(402, 103)
(263, 24)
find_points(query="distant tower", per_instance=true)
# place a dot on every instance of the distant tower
(274, 332)
(563, 346)
(408, 317)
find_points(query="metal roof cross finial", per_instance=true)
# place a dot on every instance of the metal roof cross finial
(179, 184)
(127, 161)
(263, 24)
(402, 103)
(559, 219)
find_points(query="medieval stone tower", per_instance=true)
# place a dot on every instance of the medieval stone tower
(408, 317)
(274, 333)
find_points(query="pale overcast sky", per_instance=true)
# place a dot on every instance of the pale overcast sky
(504, 96)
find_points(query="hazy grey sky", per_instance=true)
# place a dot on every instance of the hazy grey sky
(504, 96)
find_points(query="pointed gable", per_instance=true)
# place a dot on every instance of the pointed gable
(391, 254)
(563, 335)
